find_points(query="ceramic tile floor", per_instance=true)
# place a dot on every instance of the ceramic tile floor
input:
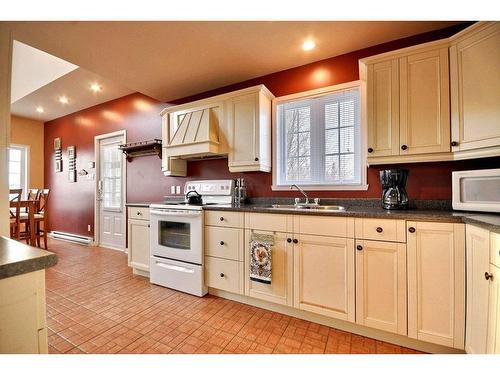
(96, 305)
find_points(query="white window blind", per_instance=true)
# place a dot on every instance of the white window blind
(18, 168)
(318, 140)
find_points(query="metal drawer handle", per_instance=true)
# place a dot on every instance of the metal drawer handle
(411, 230)
(288, 240)
(379, 230)
(295, 240)
(488, 276)
(221, 274)
(221, 243)
(221, 218)
(359, 247)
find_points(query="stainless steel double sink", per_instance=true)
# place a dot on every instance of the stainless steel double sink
(306, 207)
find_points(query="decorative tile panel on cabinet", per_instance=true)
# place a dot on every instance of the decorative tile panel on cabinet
(475, 91)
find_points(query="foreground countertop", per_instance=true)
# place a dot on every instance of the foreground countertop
(17, 258)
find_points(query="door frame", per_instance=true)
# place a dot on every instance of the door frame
(97, 222)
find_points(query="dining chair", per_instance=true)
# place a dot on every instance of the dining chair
(15, 215)
(42, 218)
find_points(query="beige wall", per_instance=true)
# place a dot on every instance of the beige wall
(29, 132)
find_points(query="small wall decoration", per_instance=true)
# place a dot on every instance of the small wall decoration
(71, 163)
(58, 154)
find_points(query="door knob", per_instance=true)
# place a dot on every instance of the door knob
(411, 230)
(404, 147)
(488, 276)
(359, 247)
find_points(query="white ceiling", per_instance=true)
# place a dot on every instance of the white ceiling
(32, 69)
(76, 87)
(170, 60)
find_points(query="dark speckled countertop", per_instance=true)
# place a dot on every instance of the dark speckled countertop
(17, 258)
(369, 208)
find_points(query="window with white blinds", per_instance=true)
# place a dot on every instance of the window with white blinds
(318, 140)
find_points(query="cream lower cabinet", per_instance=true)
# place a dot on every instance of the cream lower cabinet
(436, 282)
(381, 285)
(493, 337)
(478, 262)
(280, 289)
(475, 94)
(324, 275)
(138, 240)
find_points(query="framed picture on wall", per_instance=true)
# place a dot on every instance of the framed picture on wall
(58, 163)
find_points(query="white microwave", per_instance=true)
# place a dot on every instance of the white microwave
(477, 190)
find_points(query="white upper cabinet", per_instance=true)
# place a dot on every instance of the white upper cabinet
(424, 113)
(236, 124)
(383, 108)
(407, 104)
(249, 123)
(475, 90)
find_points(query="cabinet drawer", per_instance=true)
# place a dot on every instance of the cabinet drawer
(224, 218)
(269, 222)
(495, 248)
(224, 243)
(224, 274)
(324, 225)
(381, 229)
(139, 213)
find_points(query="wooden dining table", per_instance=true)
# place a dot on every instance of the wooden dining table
(30, 206)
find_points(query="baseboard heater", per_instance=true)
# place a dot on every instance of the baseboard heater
(71, 237)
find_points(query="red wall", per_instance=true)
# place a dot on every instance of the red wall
(72, 203)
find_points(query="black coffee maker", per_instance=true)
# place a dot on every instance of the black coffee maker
(394, 195)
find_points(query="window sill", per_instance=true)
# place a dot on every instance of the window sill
(322, 187)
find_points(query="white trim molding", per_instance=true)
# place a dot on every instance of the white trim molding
(310, 94)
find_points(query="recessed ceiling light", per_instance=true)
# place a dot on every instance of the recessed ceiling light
(40, 109)
(308, 45)
(63, 100)
(95, 87)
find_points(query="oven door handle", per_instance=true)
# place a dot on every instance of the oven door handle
(173, 267)
(176, 213)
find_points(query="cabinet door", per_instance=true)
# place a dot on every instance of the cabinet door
(475, 82)
(138, 244)
(381, 285)
(244, 123)
(280, 289)
(436, 283)
(493, 345)
(424, 103)
(478, 253)
(324, 276)
(383, 108)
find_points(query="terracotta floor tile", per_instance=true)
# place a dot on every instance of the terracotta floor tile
(96, 305)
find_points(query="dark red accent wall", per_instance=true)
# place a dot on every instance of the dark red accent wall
(72, 203)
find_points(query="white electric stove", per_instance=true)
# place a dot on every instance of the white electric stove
(176, 235)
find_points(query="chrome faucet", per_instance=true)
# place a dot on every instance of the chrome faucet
(303, 193)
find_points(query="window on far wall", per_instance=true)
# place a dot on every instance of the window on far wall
(318, 140)
(18, 167)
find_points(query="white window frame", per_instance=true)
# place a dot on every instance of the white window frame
(25, 179)
(310, 95)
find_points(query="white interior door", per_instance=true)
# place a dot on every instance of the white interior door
(110, 193)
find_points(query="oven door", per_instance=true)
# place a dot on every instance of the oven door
(177, 235)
